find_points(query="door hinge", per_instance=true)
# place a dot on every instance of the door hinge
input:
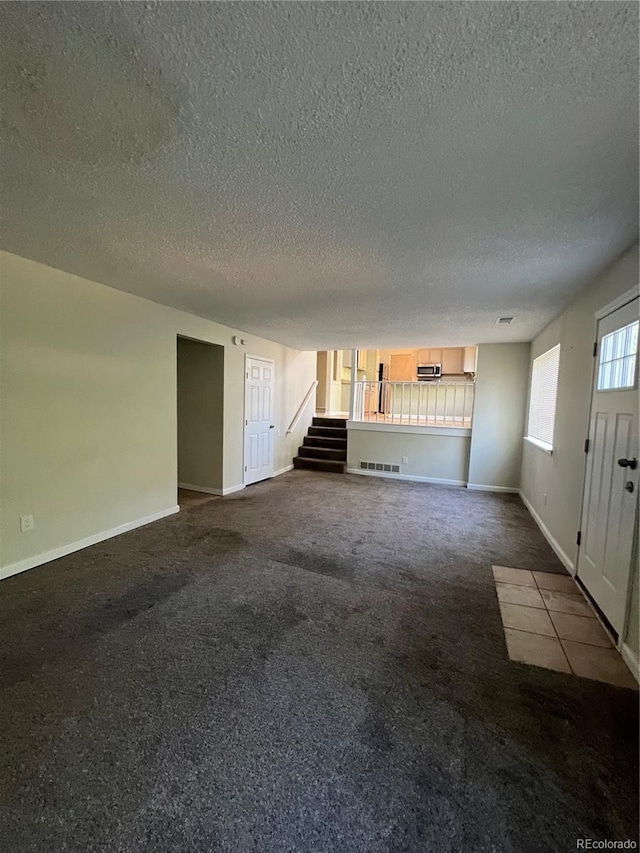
(578, 537)
(586, 445)
(245, 467)
(595, 348)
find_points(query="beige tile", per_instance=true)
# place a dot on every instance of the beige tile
(520, 577)
(536, 650)
(561, 583)
(526, 619)
(581, 629)
(598, 664)
(564, 602)
(510, 593)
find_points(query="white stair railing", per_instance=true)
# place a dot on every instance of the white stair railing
(302, 407)
(414, 403)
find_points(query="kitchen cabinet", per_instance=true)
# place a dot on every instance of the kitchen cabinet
(470, 359)
(430, 356)
(362, 358)
(402, 368)
(451, 360)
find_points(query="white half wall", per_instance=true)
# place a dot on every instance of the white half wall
(89, 407)
(498, 416)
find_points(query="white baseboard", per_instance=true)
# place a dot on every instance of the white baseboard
(387, 475)
(562, 555)
(283, 470)
(275, 474)
(231, 489)
(631, 661)
(63, 550)
(477, 487)
(207, 490)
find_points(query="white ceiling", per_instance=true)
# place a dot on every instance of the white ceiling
(326, 174)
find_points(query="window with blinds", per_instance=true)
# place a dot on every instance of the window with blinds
(542, 399)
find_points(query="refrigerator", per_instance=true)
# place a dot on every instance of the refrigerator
(383, 388)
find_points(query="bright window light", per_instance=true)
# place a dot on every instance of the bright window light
(542, 398)
(617, 368)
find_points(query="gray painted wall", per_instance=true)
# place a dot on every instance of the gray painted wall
(438, 457)
(498, 415)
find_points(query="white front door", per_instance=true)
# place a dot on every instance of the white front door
(611, 484)
(258, 414)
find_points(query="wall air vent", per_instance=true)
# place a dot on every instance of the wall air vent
(504, 321)
(380, 466)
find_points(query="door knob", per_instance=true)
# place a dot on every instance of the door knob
(628, 463)
(273, 426)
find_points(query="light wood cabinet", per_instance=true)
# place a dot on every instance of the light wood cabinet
(430, 356)
(402, 368)
(451, 361)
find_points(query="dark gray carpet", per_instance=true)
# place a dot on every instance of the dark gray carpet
(314, 664)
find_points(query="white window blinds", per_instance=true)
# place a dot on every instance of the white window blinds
(542, 400)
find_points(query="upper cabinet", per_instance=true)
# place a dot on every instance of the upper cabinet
(451, 358)
(455, 361)
(452, 361)
(470, 359)
(430, 356)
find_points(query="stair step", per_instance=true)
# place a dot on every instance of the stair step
(339, 455)
(323, 441)
(328, 432)
(320, 465)
(330, 422)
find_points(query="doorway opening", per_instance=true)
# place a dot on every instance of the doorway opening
(200, 388)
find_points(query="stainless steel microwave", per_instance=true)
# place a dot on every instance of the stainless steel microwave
(429, 371)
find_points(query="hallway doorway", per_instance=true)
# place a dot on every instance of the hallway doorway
(200, 384)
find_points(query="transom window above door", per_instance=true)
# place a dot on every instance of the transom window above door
(618, 351)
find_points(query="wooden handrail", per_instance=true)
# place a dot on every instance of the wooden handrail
(301, 409)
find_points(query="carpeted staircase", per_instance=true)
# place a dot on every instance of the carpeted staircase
(324, 447)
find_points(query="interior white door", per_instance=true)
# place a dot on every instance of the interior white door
(258, 413)
(611, 484)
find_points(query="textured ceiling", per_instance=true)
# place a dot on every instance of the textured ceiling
(326, 174)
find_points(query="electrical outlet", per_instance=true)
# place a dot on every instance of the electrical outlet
(26, 523)
(405, 460)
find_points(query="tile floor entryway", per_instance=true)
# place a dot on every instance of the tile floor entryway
(548, 622)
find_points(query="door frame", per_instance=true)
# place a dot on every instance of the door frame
(271, 361)
(602, 312)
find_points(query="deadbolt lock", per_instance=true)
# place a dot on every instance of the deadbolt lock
(628, 463)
